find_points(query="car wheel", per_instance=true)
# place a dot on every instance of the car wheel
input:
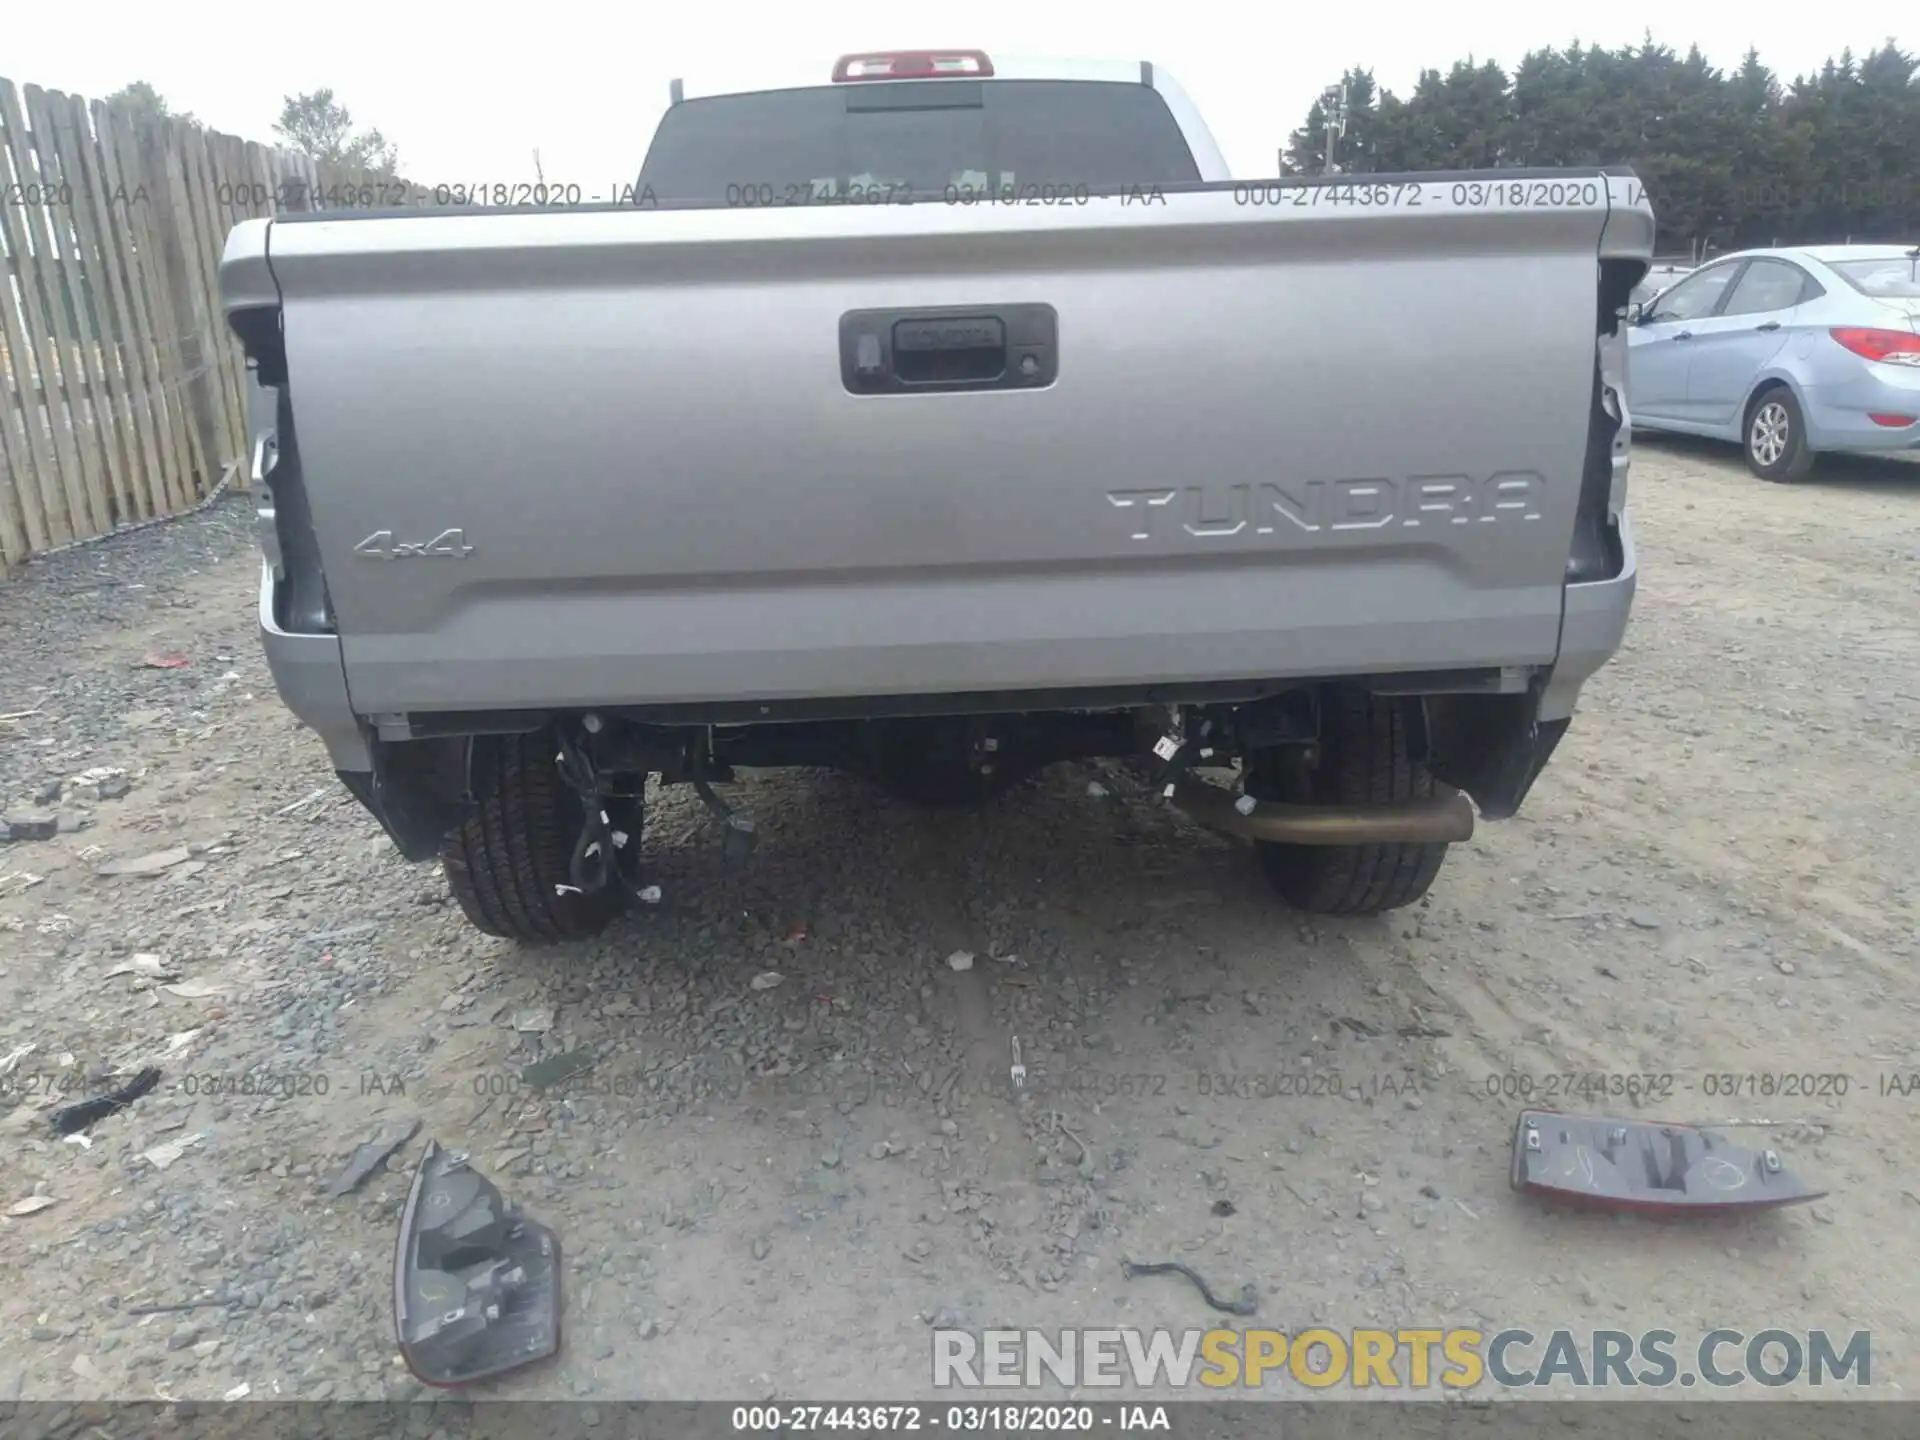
(1367, 757)
(509, 866)
(1776, 437)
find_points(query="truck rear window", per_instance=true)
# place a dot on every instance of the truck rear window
(898, 140)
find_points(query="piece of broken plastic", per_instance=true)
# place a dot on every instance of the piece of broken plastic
(1645, 1165)
(476, 1285)
(738, 838)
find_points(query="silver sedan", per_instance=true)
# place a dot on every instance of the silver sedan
(1786, 352)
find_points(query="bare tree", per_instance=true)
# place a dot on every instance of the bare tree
(318, 125)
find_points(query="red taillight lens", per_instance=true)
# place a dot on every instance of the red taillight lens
(1902, 347)
(1892, 422)
(914, 65)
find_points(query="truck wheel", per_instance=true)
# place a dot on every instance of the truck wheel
(1775, 438)
(1366, 756)
(507, 864)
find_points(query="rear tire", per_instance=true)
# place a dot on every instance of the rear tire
(1774, 437)
(1366, 758)
(506, 865)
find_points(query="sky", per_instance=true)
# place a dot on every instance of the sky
(469, 93)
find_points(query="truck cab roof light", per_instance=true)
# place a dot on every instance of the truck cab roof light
(913, 65)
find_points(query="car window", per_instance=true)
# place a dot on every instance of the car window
(937, 139)
(1767, 285)
(1893, 279)
(1695, 296)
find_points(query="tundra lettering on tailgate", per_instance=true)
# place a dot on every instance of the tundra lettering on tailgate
(1217, 511)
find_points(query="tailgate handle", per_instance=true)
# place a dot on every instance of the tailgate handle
(961, 348)
(989, 347)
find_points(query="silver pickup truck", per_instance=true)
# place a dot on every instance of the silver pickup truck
(941, 418)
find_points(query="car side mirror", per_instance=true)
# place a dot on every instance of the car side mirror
(1638, 313)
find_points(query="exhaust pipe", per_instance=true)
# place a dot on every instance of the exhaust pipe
(1439, 821)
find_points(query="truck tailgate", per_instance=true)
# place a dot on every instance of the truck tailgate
(1283, 439)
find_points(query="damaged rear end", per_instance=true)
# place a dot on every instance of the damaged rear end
(946, 493)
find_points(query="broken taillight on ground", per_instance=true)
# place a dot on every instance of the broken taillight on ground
(1648, 1166)
(476, 1284)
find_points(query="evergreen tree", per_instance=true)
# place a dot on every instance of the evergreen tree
(1730, 159)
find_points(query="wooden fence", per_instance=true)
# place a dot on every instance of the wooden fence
(123, 395)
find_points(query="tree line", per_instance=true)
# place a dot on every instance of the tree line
(1730, 159)
(314, 124)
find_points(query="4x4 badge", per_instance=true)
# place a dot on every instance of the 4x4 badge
(448, 544)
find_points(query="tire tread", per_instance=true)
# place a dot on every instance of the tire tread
(505, 864)
(1368, 746)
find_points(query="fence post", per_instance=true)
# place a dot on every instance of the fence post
(161, 158)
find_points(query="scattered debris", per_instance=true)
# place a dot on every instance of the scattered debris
(157, 863)
(301, 803)
(369, 1157)
(162, 1156)
(102, 782)
(1642, 1165)
(1224, 1208)
(649, 894)
(238, 1392)
(32, 824)
(71, 1119)
(164, 660)
(1096, 790)
(545, 1074)
(195, 990)
(767, 979)
(1086, 1156)
(14, 1056)
(536, 1020)
(478, 1291)
(84, 1367)
(32, 1205)
(21, 881)
(960, 960)
(1247, 1303)
(1018, 1072)
(179, 1306)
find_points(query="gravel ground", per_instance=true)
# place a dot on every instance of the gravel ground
(774, 1191)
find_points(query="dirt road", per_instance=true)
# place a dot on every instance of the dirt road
(775, 1191)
